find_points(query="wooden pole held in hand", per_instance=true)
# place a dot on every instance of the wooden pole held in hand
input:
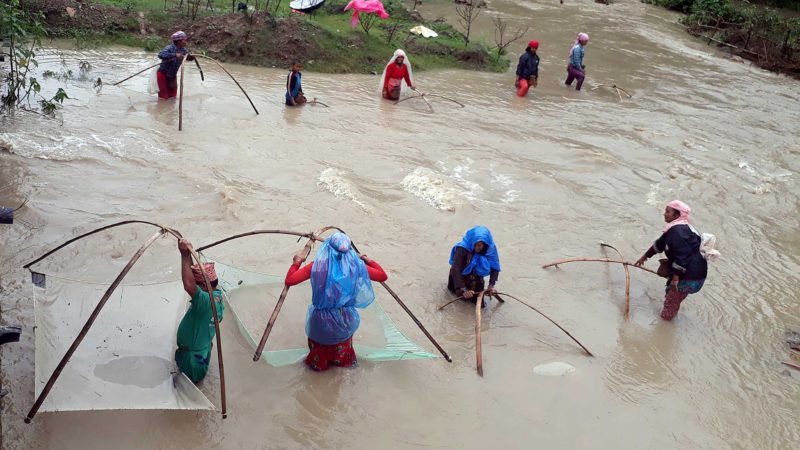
(88, 325)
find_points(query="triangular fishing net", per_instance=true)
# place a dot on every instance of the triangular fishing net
(251, 297)
(126, 360)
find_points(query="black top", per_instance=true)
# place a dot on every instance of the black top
(681, 246)
(528, 66)
(461, 260)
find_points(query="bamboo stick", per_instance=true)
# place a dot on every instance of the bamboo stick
(180, 98)
(97, 230)
(408, 311)
(551, 320)
(232, 78)
(137, 73)
(75, 343)
(478, 350)
(416, 321)
(606, 260)
(271, 323)
(627, 281)
(210, 290)
(792, 365)
(253, 233)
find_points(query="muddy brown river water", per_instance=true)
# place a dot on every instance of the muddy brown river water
(551, 175)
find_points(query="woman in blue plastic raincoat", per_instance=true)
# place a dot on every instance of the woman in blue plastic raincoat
(340, 283)
(470, 261)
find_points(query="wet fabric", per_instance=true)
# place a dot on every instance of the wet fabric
(681, 245)
(367, 7)
(170, 63)
(339, 284)
(397, 73)
(196, 334)
(481, 263)
(294, 87)
(576, 56)
(457, 281)
(523, 88)
(674, 297)
(245, 291)
(528, 66)
(575, 74)
(167, 87)
(321, 357)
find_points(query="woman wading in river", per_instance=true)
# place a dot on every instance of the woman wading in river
(685, 267)
(470, 261)
(397, 71)
(340, 283)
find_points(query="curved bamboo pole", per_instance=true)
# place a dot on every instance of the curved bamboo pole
(462, 298)
(232, 78)
(210, 290)
(97, 230)
(551, 320)
(61, 364)
(271, 323)
(478, 350)
(606, 260)
(177, 235)
(408, 311)
(180, 98)
(627, 281)
(137, 73)
(253, 233)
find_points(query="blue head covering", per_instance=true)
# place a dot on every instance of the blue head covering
(482, 263)
(339, 284)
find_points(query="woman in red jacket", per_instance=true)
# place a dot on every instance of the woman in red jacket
(340, 283)
(398, 70)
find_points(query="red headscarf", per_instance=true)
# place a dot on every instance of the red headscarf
(534, 44)
(208, 268)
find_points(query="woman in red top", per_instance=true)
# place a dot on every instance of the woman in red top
(398, 69)
(340, 283)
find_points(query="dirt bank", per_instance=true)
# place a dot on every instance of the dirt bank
(261, 39)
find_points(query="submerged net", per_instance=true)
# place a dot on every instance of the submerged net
(251, 297)
(126, 360)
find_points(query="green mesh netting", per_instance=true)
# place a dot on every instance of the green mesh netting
(251, 297)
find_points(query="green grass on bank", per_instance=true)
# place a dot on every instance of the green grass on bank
(355, 50)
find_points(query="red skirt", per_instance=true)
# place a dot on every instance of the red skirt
(321, 357)
(167, 87)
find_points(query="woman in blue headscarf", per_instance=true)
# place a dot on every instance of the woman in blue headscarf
(471, 260)
(340, 283)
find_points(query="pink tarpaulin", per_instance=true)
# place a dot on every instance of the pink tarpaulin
(365, 6)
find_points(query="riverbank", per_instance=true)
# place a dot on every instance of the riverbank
(768, 37)
(324, 41)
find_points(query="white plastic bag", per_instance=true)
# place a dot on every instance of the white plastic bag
(707, 247)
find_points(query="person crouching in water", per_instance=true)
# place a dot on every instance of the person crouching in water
(171, 59)
(685, 267)
(294, 89)
(528, 69)
(397, 71)
(575, 67)
(470, 261)
(196, 330)
(340, 283)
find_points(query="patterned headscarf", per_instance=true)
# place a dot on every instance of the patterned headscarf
(178, 36)
(208, 268)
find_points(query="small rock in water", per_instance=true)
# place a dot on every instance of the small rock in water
(553, 369)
